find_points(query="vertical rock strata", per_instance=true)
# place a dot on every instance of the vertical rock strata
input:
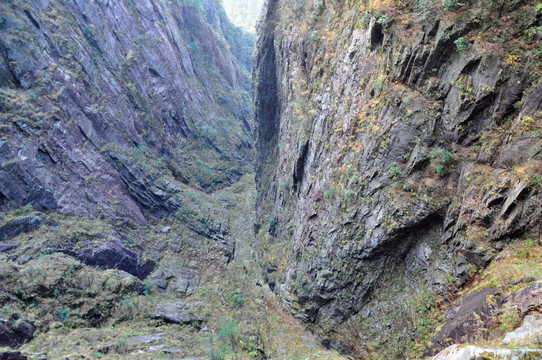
(399, 150)
(105, 105)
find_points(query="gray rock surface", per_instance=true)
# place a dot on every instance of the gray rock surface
(86, 103)
(15, 334)
(144, 339)
(374, 164)
(530, 332)
(461, 352)
(178, 313)
(12, 355)
(5, 247)
(18, 226)
(112, 254)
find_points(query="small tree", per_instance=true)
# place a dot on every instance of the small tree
(230, 331)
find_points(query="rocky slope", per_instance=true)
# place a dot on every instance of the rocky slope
(399, 168)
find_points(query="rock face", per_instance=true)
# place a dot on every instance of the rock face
(474, 352)
(112, 254)
(382, 156)
(105, 105)
(477, 313)
(12, 355)
(177, 313)
(15, 334)
(530, 332)
(118, 112)
(117, 119)
(18, 226)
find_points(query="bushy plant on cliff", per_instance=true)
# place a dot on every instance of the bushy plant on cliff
(230, 331)
(452, 5)
(443, 159)
(461, 44)
(395, 172)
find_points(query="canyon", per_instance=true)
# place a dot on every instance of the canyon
(361, 179)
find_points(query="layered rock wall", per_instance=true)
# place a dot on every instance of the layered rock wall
(105, 106)
(399, 149)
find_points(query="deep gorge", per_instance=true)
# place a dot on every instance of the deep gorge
(360, 179)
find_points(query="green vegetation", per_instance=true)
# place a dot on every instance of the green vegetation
(237, 300)
(461, 44)
(23, 210)
(149, 287)
(443, 160)
(395, 172)
(64, 315)
(230, 331)
(329, 193)
(453, 5)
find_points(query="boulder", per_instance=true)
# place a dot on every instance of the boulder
(470, 352)
(112, 254)
(5, 247)
(12, 355)
(171, 277)
(144, 339)
(19, 225)
(527, 299)
(530, 332)
(177, 313)
(465, 321)
(14, 335)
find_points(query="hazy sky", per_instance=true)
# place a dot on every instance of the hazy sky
(243, 13)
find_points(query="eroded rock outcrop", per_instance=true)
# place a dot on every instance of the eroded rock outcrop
(178, 313)
(14, 333)
(105, 105)
(398, 150)
(117, 119)
(474, 352)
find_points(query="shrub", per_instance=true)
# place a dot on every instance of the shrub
(315, 36)
(395, 172)
(536, 181)
(23, 210)
(64, 315)
(364, 21)
(121, 346)
(318, 7)
(461, 44)
(444, 37)
(237, 300)
(443, 159)
(230, 331)
(149, 287)
(453, 5)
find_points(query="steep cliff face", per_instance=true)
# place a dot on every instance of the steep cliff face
(126, 186)
(399, 152)
(117, 120)
(92, 93)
